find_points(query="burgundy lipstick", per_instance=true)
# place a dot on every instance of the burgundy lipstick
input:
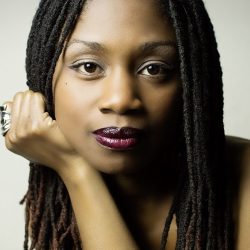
(118, 138)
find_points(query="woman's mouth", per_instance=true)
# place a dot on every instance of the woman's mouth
(115, 138)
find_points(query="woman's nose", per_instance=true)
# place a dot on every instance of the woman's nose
(120, 95)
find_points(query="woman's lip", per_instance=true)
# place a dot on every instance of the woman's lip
(118, 133)
(118, 138)
(118, 144)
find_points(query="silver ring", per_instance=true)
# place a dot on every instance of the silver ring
(5, 119)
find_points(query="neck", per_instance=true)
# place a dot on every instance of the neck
(156, 181)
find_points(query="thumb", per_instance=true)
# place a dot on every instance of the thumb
(56, 133)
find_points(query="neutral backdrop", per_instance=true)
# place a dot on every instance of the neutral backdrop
(231, 22)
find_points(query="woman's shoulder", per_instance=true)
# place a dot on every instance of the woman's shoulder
(238, 160)
(237, 143)
(238, 153)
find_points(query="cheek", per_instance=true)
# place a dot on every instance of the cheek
(163, 104)
(164, 112)
(72, 106)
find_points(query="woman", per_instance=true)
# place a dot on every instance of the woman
(123, 128)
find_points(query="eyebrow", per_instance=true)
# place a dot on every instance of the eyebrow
(148, 46)
(145, 47)
(91, 45)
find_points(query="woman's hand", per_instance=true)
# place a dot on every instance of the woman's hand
(36, 136)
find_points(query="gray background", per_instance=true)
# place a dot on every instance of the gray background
(231, 22)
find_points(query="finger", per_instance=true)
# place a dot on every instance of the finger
(37, 103)
(25, 118)
(33, 105)
(15, 110)
(9, 106)
(31, 111)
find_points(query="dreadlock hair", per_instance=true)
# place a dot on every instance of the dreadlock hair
(202, 203)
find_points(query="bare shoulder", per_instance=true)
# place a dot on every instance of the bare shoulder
(241, 145)
(238, 159)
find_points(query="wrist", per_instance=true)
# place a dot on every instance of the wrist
(76, 172)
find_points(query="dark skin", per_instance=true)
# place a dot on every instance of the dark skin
(151, 212)
(238, 161)
(145, 202)
(119, 90)
(147, 213)
(146, 181)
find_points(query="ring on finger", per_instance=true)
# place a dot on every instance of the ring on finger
(5, 119)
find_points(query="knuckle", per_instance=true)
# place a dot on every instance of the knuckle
(8, 103)
(12, 142)
(28, 92)
(17, 137)
(35, 130)
(12, 138)
(9, 145)
(18, 95)
(39, 96)
(21, 135)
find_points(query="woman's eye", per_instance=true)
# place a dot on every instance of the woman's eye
(87, 68)
(157, 70)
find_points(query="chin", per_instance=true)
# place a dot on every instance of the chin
(113, 163)
(115, 170)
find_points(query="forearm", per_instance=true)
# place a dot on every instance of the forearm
(99, 221)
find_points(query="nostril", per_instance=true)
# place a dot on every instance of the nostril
(124, 111)
(104, 110)
(131, 105)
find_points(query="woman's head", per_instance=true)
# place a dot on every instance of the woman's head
(119, 69)
(121, 93)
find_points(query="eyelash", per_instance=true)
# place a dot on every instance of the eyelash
(76, 66)
(162, 66)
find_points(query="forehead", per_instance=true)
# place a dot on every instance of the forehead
(123, 18)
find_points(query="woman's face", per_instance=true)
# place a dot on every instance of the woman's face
(119, 69)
